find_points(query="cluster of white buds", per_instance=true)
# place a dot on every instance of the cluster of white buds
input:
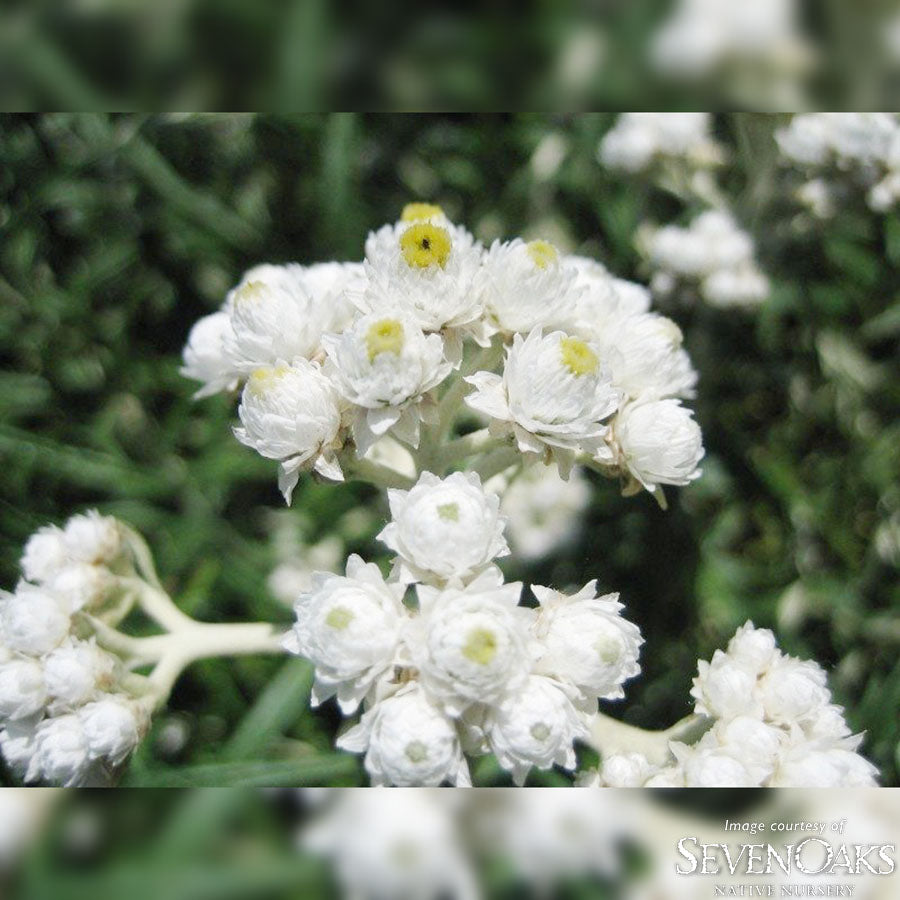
(66, 714)
(772, 724)
(639, 140)
(340, 362)
(832, 148)
(713, 254)
(463, 668)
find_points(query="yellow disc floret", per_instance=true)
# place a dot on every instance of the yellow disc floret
(449, 512)
(339, 618)
(480, 646)
(384, 336)
(252, 290)
(420, 212)
(264, 378)
(542, 253)
(425, 245)
(578, 357)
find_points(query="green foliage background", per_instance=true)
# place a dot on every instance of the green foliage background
(118, 232)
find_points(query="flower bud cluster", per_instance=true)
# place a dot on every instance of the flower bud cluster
(457, 666)
(338, 357)
(65, 716)
(838, 148)
(712, 253)
(773, 724)
(638, 140)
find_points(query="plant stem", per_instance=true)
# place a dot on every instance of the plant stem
(158, 605)
(610, 736)
(497, 461)
(375, 473)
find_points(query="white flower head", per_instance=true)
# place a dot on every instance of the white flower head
(291, 413)
(60, 752)
(602, 298)
(424, 267)
(748, 738)
(94, 539)
(349, 627)
(744, 286)
(813, 765)
(408, 742)
(793, 689)
(275, 316)
(586, 642)
(713, 766)
(45, 554)
(76, 671)
(17, 743)
(526, 286)
(752, 647)
(626, 770)
(553, 395)
(536, 728)
(32, 620)
(725, 688)
(205, 357)
(384, 364)
(639, 139)
(82, 585)
(444, 529)
(472, 645)
(659, 442)
(22, 691)
(112, 727)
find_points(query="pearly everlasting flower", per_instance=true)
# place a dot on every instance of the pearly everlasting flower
(753, 648)
(639, 139)
(60, 752)
(291, 413)
(758, 743)
(349, 628)
(553, 395)
(706, 766)
(527, 286)
(112, 727)
(444, 529)
(82, 584)
(408, 740)
(32, 620)
(536, 728)
(17, 743)
(626, 770)
(93, 539)
(601, 298)
(472, 645)
(22, 690)
(76, 671)
(585, 641)
(205, 357)
(45, 554)
(740, 287)
(822, 766)
(658, 442)
(792, 689)
(724, 688)
(384, 365)
(275, 316)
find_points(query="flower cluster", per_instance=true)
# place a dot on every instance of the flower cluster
(66, 715)
(340, 361)
(713, 253)
(773, 724)
(836, 147)
(638, 140)
(465, 669)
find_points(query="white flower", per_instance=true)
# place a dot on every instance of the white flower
(349, 627)
(424, 268)
(626, 770)
(32, 621)
(82, 585)
(472, 645)
(112, 727)
(384, 365)
(645, 356)
(408, 742)
(553, 395)
(601, 298)
(22, 691)
(793, 689)
(291, 413)
(752, 647)
(827, 723)
(535, 728)
(542, 511)
(92, 538)
(710, 766)
(740, 287)
(586, 641)
(637, 138)
(527, 286)
(17, 743)
(817, 766)
(205, 358)
(444, 529)
(805, 140)
(45, 554)
(725, 688)
(751, 740)
(659, 442)
(275, 316)
(331, 285)
(74, 672)
(60, 752)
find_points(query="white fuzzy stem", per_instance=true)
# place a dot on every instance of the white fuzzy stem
(610, 736)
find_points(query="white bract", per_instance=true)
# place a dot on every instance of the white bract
(444, 529)
(205, 357)
(76, 671)
(112, 727)
(33, 621)
(349, 627)
(22, 690)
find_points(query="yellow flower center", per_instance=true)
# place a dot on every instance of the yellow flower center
(384, 336)
(577, 357)
(542, 253)
(416, 752)
(251, 291)
(265, 378)
(539, 731)
(424, 245)
(480, 646)
(339, 618)
(449, 512)
(608, 650)
(420, 212)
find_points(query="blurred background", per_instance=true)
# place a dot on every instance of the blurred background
(310, 54)
(117, 232)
